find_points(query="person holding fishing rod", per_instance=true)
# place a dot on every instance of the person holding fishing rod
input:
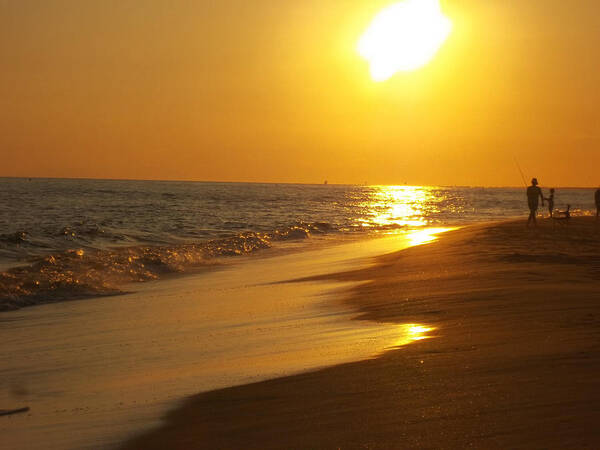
(533, 193)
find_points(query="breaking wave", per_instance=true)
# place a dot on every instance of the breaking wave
(81, 273)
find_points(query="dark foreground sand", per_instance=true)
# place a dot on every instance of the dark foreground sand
(515, 361)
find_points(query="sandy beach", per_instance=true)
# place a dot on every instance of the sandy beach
(511, 362)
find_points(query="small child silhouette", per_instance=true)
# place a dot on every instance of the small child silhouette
(550, 201)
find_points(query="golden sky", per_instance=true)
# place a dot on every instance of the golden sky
(275, 91)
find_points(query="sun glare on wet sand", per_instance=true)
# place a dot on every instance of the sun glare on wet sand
(411, 332)
(403, 37)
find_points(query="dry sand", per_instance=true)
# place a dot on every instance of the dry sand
(513, 362)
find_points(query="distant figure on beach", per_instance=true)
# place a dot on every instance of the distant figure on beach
(550, 201)
(533, 193)
(597, 199)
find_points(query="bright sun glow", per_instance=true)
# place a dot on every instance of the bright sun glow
(404, 36)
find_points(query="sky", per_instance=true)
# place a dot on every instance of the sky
(275, 91)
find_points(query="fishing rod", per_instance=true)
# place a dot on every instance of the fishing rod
(520, 171)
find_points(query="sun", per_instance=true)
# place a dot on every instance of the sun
(403, 37)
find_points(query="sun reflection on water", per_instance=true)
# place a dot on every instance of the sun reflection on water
(400, 206)
(417, 332)
(411, 332)
(425, 236)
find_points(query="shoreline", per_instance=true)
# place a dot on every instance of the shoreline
(43, 281)
(95, 373)
(512, 361)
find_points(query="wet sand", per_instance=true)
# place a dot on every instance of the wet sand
(513, 361)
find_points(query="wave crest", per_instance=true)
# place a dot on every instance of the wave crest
(80, 273)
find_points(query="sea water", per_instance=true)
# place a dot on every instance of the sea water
(62, 239)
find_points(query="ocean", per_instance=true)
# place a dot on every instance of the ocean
(68, 238)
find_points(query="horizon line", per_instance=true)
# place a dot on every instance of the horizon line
(170, 180)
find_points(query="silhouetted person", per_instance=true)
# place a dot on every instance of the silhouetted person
(550, 201)
(597, 199)
(533, 193)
